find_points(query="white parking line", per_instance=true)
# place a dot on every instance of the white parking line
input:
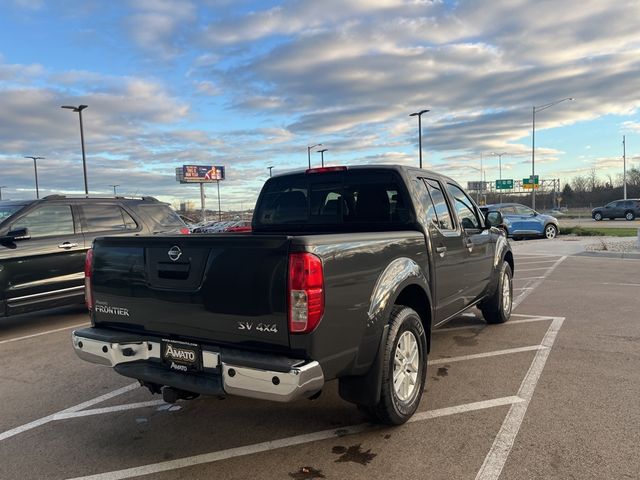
(529, 319)
(531, 269)
(100, 411)
(497, 457)
(517, 301)
(80, 406)
(290, 442)
(45, 333)
(507, 351)
(536, 262)
(525, 278)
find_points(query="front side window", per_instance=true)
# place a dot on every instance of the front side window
(46, 221)
(464, 207)
(101, 218)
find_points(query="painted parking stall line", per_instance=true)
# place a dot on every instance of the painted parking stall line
(33, 335)
(494, 460)
(497, 457)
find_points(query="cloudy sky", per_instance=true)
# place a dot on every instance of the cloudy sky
(248, 84)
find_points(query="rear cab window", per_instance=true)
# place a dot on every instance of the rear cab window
(355, 199)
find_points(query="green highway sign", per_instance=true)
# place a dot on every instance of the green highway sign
(533, 179)
(504, 184)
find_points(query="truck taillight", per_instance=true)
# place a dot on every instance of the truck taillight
(88, 291)
(306, 295)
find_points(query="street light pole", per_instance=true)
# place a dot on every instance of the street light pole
(270, 168)
(499, 155)
(624, 168)
(321, 152)
(114, 189)
(35, 170)
(309, 151)
(533, 144)
(78, 110)
(419, 115)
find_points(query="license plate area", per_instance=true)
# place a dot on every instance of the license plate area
(181, 356)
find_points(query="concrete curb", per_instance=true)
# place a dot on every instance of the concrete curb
(627, 255)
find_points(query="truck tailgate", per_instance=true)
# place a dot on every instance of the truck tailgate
(225, 289)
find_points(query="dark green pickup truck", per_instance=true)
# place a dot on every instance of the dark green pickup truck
(345, 274)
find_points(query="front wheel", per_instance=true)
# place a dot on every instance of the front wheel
(496, 308)
(405, 368)
(597, 216)
(629, 216)
(550, 231)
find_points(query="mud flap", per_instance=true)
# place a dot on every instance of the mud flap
(365, 389)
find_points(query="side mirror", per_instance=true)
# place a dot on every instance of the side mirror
(494, 219)
(18, 234)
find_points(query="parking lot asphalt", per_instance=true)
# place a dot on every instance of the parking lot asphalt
(551, 394)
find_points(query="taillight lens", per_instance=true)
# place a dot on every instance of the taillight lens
(88, 290)
(185, 231)
(306, 295)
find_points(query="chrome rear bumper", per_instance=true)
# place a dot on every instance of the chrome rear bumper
(301, 381)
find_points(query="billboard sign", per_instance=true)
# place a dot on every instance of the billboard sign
(201, 174)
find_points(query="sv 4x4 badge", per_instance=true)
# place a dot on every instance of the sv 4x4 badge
(260, 327)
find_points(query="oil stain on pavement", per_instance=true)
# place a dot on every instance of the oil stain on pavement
(354, 454)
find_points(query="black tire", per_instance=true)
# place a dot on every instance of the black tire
(550, 231)
(629, 216)
(392, 409)
(493, 307)
(597, 216)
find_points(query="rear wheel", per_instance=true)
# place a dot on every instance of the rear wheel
(497, 307)
(629, 216)
(597, 216)
(405, 368)
(550, 231)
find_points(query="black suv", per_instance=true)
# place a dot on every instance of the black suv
(43, 244)
(628, 209)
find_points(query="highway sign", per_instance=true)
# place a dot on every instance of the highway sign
(505, 184)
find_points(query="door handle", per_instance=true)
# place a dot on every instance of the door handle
(468, 244)
(67, 245)
(441, 250)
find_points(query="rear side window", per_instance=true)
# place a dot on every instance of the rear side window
(162, 215)
(443, 214)
(356, 198)
(48, 220)
(101, 218)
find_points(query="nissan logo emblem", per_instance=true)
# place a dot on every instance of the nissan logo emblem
(175, 253)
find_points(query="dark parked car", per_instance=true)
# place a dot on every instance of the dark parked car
(43, 244)
(628, 209)
(344, 275)
(521, 221)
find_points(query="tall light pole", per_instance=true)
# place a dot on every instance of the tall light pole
(536, 109)
(499, 155)
(114, 189)
(624, 168)
(270, 168)
(35, 169)
(321, 152)
(419, 115)
(309, 151)
(78, 110)
(1, 187)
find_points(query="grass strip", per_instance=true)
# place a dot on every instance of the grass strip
(599, 232)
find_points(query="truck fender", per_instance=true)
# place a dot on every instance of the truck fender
(502, 253)
(402, 272)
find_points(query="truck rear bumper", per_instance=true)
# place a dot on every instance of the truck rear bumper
(139, 357)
